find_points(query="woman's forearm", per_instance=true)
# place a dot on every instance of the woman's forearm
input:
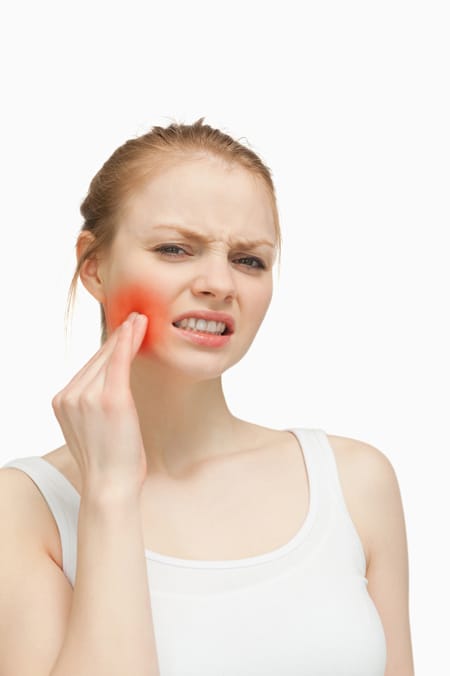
(110, 627)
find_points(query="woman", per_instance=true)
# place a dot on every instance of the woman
(269, 552)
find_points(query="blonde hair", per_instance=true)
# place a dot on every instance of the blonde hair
(134, 162)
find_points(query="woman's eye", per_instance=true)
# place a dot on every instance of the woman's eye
(252, 262)
(170, 249)
(175, 251)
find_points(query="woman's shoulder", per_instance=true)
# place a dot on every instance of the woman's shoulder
(370, 477)
(23, 504)
(353, 456)
(369, 482)
(357, 459)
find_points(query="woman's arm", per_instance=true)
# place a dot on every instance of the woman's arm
(110, 626)
(381, 508)
(100, 627)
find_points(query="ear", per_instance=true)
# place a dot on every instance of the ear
(90, 273)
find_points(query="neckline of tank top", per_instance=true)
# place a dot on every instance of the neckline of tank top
(266, 557)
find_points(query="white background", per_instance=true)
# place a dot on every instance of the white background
(348, 104)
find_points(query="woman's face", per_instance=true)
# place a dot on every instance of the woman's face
(198, 237)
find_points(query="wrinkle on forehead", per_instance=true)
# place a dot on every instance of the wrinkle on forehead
(225, 236)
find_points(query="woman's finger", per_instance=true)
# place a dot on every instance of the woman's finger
(117, 372)
(128, 341)
(140, 326)
(94, 365)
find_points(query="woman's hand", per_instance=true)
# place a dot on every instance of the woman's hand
(98, 417)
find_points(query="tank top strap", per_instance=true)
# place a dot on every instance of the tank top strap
(320, 460)
(324, 478)
(62, 500)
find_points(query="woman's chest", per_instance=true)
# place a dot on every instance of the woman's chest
(235, 512)
(296, 623)
(238, 509)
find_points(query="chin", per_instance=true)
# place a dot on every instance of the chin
(198, 368)
(201, 373)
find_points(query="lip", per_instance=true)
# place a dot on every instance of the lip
(203, 339)
(208, 315)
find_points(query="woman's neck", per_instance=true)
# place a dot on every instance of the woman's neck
(183, 422)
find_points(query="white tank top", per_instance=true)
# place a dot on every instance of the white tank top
(302, 609)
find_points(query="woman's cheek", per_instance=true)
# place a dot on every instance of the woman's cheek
(137, 297)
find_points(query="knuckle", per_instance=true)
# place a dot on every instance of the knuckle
(56, 401)
(110, 402)
(68, 400)
(88, 399)
(113, 402)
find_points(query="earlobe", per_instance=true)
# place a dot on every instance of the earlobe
(89, 271)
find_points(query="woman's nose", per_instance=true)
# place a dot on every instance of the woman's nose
(215, 278)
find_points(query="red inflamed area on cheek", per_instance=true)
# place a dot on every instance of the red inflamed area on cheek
(139, 298)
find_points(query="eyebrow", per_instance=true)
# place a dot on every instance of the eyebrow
(242, 242)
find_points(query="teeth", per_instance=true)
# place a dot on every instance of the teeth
(201, 325)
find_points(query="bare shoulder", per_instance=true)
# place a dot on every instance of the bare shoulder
(373, 496)
(369, 482)
(35, 594)
(17, 495)
(21, 503)
(360, 460)
(28, 512)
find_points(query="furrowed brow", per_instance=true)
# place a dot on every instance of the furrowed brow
(243, 242)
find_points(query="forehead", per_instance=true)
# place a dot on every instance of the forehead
(204, 195)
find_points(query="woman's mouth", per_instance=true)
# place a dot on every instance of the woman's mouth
(202, 326)
(202, 332)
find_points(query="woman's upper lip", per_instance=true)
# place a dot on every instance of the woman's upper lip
(209, 315)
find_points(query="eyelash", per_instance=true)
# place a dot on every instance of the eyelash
(163, 251)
